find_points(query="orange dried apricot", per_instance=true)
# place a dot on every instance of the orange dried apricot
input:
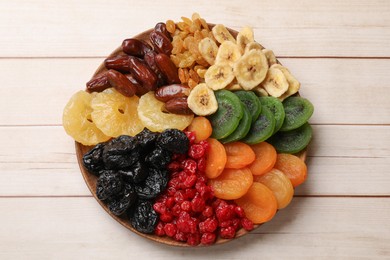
(239, 155)
(279, 184)
(265, 158)
(259, 203)
(215, 158)
(294, 168)
(232, 183)
(202, 128)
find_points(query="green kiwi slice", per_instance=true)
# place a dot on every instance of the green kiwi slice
(298, 110)
(277, 109)
(251, 102)
(262, 128)
(292, 141)
(228, 115)
(242, 129)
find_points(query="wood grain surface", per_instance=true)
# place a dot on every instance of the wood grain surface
(340, 52)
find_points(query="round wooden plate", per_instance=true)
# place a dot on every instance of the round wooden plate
(91, 179)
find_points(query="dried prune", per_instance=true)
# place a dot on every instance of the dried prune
(135, 174)
(108, 184)
(158, 157)
(146, 140)
(153, 185)
(121, 152)
(123, 201)
(174, 141)
(143, 217)
(93, 160)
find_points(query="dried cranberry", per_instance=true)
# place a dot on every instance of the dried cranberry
(247, 224)
(228, 232)
(208, 238)
(202, 164)
(166, 217)
(159, 230)
(170, 229)
(189, 166)
(193, 239)
(196, 151)
(208, 211)
(198, 204)
(209, 225)
(191, 136)
(186, 206)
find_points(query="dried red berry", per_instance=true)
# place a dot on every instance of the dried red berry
(170, 229)
(208, 238)
(228, 232)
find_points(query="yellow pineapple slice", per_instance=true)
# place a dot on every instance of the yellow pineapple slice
(150, 111)
(77, 120)
(116, 114)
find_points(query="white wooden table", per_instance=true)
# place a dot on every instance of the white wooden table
(339, 50)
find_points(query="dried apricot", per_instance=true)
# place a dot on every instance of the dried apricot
(259, 203)
(265, 158)
(279, 184)
(294, 168)
(202, 128)
(215, 158)
(232, 183)
(239, 155)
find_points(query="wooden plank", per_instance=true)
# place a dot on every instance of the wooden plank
(41, 161)
(40, 28)
(44, 86)
(77, 228)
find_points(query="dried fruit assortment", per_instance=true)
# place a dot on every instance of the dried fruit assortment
(193, 132)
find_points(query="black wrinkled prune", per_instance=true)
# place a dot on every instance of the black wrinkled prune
(93, 160)
(108, 184)
(121, 152)
(174, 141)
(155, 183)
(143, 217)
(135, 174)
(123, 201)
(146, 140)
(158, 158)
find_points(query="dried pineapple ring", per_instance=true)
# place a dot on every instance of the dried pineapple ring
(151, 114)
(116, 114)
(77, 120)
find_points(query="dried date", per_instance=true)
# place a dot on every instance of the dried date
(143, 74)
(120, 63)
(98, 83)
(160, 42)
(169, 92)
(162, 28)
(178, 106)
(135, 47)
(167, 67)
(121, 83)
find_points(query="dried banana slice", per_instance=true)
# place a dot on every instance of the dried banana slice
(202, 100)
(253, 46)
(275, 83)
(244, 37)
(251, 69)
(222, 34)
(293, 83)
(208, 49)
(228, 52)
(270, 56)
(260, 91)
(219, 76)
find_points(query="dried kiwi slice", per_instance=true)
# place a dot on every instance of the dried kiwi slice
(242, 129)
(292, 141)
(298, 111)
(228, 115)
(277, 109)
(262, 128)
(251, 102)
